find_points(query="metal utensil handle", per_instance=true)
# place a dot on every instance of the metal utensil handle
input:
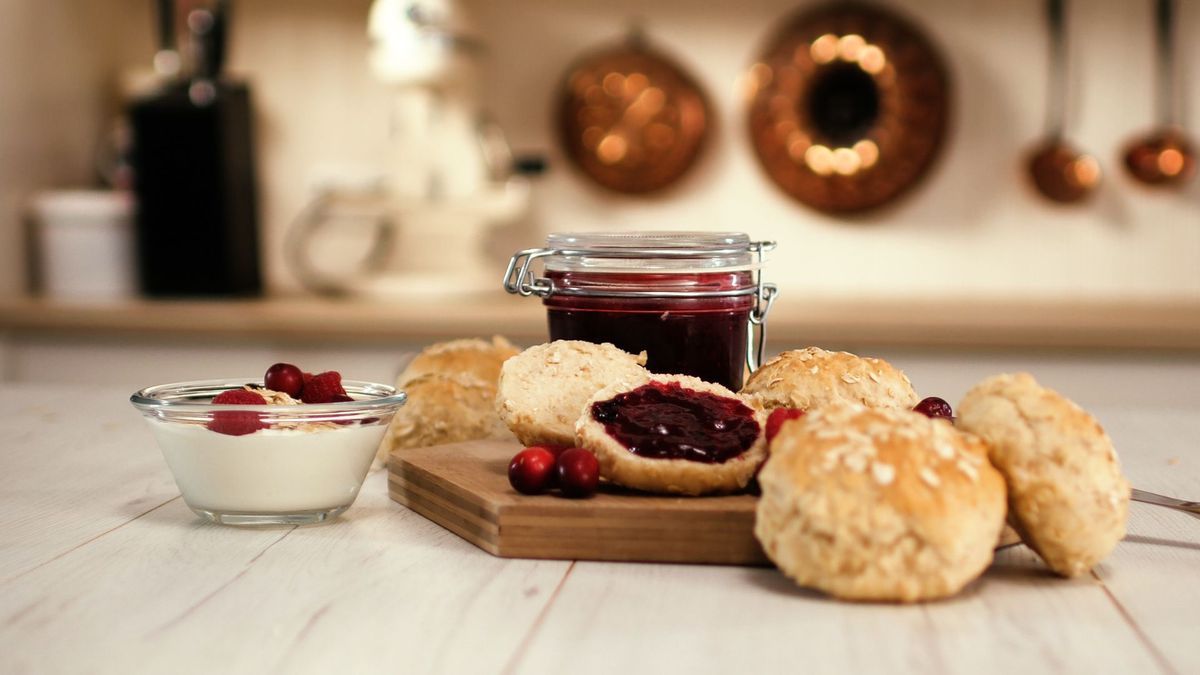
(1190, 508)
(1056, 95)
(1164, 35)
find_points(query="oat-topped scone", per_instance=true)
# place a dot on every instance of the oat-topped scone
(472, 357)
(543, 388)
(876, 504)
(812, 377)
(444, 408)
(451, 389)
(673, 434)
(1066, 494)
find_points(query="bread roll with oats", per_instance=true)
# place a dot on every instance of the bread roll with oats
(473, 357)
(451, 389)
(1066, 496)
(812, 377)
(878, 504)
(543, 389)
(444, 409)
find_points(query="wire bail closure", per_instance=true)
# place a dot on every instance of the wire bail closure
(519, 279)
(765, 295)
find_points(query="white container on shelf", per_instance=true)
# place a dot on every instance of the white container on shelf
(85, 243)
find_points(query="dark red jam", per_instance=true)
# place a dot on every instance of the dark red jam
(703, 337)
(669, 421)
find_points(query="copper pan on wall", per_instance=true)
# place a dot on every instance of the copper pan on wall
(630, 118)
(848, 107)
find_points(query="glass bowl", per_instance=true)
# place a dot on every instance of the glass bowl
(290, 465)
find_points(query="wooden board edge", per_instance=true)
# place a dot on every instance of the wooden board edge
(445, 515)
(410, 473)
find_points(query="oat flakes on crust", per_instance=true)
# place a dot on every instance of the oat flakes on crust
(473, 357)
(443, 408)
(542, 389)
(666, 476)
(1066, 493)
(878, 504)
(812, 377)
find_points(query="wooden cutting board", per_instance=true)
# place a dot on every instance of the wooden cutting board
(464, 488)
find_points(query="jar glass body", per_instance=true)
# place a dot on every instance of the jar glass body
(700, 336)
(688, 299)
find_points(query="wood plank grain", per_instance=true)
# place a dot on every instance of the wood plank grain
(1154, 575)
(78, 462)
(1016, 619)
(378, 588)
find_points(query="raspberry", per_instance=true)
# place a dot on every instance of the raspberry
(778, 417)
(239, 397)
(323, 388)
(237, 422)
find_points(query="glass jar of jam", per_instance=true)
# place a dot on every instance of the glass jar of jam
(694, 301)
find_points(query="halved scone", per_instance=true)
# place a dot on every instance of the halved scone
(673, 434)
(542, 389)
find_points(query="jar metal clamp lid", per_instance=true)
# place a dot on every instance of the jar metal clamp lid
(660, 253)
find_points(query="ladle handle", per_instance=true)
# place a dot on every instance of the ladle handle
(1164, 36)
(1057, 82)
(1190, 508)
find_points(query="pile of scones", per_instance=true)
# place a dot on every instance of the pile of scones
(861, 497)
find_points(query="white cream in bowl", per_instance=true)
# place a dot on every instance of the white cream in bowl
(275, 470)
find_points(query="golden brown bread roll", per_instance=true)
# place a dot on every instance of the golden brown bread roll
(451, 389)
(878, 504)
(474, 357)
(812, 377)
(1066, 494)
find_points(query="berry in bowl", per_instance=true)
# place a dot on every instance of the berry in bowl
(245, 454)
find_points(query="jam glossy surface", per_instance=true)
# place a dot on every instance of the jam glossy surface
(702, 337)
(669, 421)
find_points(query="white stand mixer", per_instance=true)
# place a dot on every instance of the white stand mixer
(449, 178)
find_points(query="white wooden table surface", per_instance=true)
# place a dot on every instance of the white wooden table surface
(104, 569)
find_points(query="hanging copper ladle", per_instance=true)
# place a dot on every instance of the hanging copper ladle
(1165, 156)
(1059, 171)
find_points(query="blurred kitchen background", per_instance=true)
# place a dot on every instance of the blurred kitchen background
(351, 148)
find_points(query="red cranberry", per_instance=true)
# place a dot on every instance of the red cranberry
(556, 450)
(532, 471)
(578, 473)
(777, 417)
(286, 378)
(934, 407)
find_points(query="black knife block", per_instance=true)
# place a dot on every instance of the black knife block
(197, 224)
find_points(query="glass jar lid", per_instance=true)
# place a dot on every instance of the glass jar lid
(651, 251)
